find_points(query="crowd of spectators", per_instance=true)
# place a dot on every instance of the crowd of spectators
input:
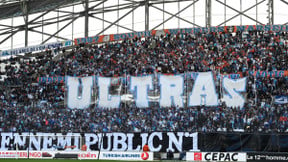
(27, 105)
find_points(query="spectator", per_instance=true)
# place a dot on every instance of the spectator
(28, 105)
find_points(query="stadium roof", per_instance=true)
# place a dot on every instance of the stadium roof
(13, 8)
(33, 22)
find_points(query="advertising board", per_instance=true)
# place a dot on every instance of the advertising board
(257, 157)
(46, 154)
(216, 156)
(110, 155)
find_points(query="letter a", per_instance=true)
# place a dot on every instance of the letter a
(204, 92)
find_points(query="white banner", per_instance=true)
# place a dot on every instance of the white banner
(46, 154)
(171, 91)
(140, 86)
(25, 154)
(126, 156)
(204, 91)
(105, 99)
(13, 154)
(216, 156)
(114, 141)
(80, 92)
(41, 47)
(233, 98)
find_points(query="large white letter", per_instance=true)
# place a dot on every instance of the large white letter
(194, 141)
(173, 140)
(64, 140)
(108, 135)
(20, 140)
(203, 92)
(5, 140)
(89, 142)
(151, 144)
(140, 86)
(105, 99)
(171, 90)
(121, 142)
(79, 92)
(35, 142)
(47, 141)
(130, 143)
(233, 87)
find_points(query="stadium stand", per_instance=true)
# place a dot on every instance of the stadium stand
(30, 105)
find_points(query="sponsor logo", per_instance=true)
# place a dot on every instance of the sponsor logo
(107, 155)
(14, 154)
(197, 156)
(267, 157)
(87, 155)
(21, 154)
(145, 155)
(35, 154)
(215, 156)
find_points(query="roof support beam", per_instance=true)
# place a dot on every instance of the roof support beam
(46, 22)
(118, 19)
(270, 11)
(240, 13)
(86, 27)
(40, 32)
(208, 15)
(9, 36)
(25, 10)
(175, 14)
(60, 30)
(112, 23)
(146, 15)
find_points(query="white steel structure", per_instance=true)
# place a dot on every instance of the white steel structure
(32, 22)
